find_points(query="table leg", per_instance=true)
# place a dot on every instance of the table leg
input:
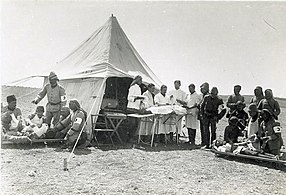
(153, 130)
(116, 129)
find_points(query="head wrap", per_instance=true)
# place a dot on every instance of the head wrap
(40, 109)
(233, 119)
(214, 90)
(53, 76)
(205, 86)
(240, 103)
(252, 107)
(258, 88)
(264, 111)
(269, 91)
(75, 101)
(11, 98)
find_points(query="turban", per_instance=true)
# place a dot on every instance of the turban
(11, 98)
(252, 107)
(75, 101)
(205, 86)
(53, 76)
(240, 103)
(264, 111)
(233, 119)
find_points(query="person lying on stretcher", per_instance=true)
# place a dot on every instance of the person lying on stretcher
(231, 144)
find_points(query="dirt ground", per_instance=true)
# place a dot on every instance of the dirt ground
(134, 169)
(38, 169)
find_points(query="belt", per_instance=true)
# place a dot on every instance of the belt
(54, 103)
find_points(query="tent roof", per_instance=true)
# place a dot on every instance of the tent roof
(107, 52)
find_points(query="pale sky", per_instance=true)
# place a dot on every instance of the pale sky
(224, 43)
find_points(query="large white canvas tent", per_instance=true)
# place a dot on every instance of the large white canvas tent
(106, 54)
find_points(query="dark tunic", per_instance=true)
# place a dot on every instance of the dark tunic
(231, 134)
(209, 106)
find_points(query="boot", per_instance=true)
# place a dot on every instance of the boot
(192, 136)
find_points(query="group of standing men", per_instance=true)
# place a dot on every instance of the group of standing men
(203, 110)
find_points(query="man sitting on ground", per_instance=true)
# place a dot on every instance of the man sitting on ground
(12, 122)
(253, 125)
(240, 114)
(271, 134)
(232, 131)
(78, 119)
(11, 117)
(37, 125)
(61, 128)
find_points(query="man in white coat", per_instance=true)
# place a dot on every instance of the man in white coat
(192, 123)
(176, 96)
(162, 99)
(134, 100)
(149, 94)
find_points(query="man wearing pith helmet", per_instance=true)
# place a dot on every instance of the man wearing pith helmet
(56, 98)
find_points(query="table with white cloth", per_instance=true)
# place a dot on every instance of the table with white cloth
(163, 120)
(145, 125)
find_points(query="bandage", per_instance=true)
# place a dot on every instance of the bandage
(63, 98)
(78, 120)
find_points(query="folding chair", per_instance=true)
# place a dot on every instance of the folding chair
(101, 125)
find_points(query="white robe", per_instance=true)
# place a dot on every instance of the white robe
(192, 117)
(160, 99)
(167, 127)
(148, 101)
(134, 91)
(40, 127)
(252, 127)
(177, 94)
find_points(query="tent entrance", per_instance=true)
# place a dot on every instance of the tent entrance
(115, 95)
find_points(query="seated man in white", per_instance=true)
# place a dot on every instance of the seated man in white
(36, 124)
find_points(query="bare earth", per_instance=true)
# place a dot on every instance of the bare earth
(172, 170)
(38, 169)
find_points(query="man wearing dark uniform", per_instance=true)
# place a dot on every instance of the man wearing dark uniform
(210, 113)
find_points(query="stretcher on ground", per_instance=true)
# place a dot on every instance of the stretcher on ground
(259, 157)
(8, 142)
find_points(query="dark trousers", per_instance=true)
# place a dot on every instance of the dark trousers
(133, 123)
(192, 135)
(207, 122)
(53, 115)
(203, 136)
